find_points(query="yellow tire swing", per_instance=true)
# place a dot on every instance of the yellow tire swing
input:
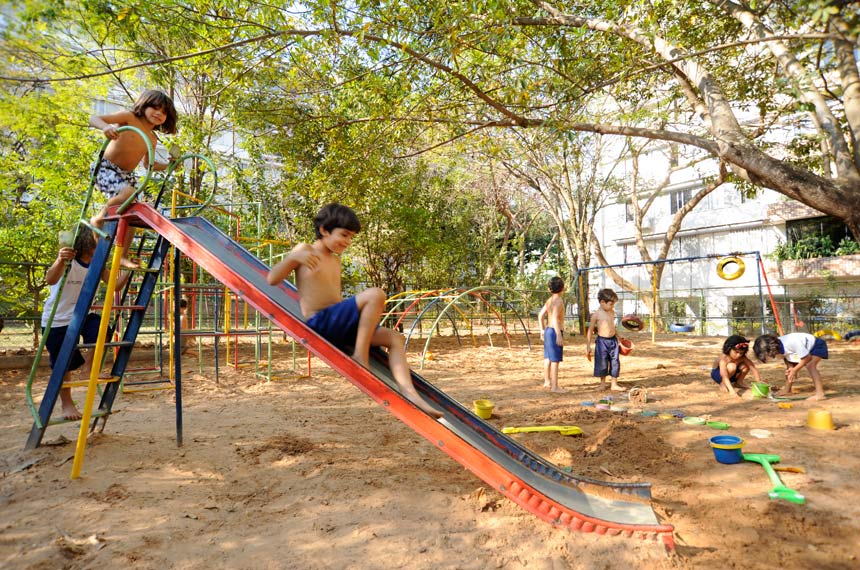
(728, 261)
(827, 334)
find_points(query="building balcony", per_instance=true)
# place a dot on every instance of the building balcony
(816, 270)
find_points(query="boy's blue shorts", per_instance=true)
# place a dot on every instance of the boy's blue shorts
(551, 350)
(54, 340)
(606, 360)
(715, 376)
(338, 323)
(819, 349)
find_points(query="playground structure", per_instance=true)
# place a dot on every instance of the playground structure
(491, 308)
(561, 499)
(688, 295)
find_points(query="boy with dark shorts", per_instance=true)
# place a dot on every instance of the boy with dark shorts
(351, 323)
(79, 257)
(606, 349)
(552, 333)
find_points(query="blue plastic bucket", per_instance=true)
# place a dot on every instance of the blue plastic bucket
(727, 448)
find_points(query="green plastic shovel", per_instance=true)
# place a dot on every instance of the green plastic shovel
(779, 491)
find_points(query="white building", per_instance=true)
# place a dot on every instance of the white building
(695, 296)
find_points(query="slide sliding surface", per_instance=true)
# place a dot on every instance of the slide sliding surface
(537, 485)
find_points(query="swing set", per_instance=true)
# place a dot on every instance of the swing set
(693, 294)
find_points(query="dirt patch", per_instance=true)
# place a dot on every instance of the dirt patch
(306, 472)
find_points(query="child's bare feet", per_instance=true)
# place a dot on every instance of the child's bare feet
(425, 407)
(70, 412)
(128, 263)
(616, 388)
(546, 383)
(557, 390)
(816, 398)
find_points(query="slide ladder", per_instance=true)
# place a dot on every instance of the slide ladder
(87, 303)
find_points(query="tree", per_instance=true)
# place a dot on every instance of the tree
(793, 52)
(641, 196)
(772, 91)
(42, 157)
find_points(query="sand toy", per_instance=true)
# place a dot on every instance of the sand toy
(779, 491)
(563, 430)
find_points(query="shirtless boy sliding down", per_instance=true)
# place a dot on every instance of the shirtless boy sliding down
(344, 322)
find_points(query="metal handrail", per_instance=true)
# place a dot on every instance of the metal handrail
(82, 221)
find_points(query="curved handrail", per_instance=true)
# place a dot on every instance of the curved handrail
(175, 164)
(475, 292)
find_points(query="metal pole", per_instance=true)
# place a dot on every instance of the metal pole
(177, 341)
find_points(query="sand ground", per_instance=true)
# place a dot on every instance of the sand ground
(308, 473)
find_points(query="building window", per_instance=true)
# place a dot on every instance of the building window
(628, 212)
(678, 199)
(824, 227)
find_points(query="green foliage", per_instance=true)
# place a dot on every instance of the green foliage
(350, 108)
(847, 246)
(812, 246)
(44, 159)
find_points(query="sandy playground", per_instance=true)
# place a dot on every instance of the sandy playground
(308, 473)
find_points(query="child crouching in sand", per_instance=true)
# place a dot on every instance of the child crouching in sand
(731, 368)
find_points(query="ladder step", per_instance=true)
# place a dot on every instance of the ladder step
(126, 390)
(121, 307)
(95, 414)
(145, 382)
(107, 344)
(80, 383)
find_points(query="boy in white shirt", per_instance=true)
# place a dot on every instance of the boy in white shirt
(79, 257)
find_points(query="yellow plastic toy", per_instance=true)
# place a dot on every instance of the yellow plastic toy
(828, 333)
(731, 260)
(563, 430)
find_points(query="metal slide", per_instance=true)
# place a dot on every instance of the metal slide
(538, 486)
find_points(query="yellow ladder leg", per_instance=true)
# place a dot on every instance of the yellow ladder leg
(81, 446)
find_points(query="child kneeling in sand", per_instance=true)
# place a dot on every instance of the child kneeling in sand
(731, 368)
(344, 322)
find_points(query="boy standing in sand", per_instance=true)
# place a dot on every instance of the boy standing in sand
(606, 350)
(344, 322)
(552, 333)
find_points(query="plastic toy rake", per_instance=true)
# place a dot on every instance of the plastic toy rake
(779, 491)
(563, 430)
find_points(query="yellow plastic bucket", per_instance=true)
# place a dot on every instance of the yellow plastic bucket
(819, 419)
(484, 409)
